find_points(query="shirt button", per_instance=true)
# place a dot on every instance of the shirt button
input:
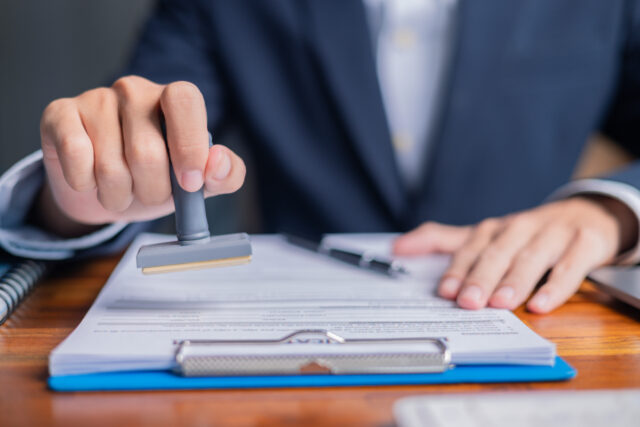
(404, 38)
(401, 142)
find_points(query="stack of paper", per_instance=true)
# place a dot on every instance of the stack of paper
(137, 320)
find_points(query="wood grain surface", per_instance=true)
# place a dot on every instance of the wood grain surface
(597, 335)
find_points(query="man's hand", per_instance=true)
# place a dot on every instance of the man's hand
(106, 159)
(499, 261)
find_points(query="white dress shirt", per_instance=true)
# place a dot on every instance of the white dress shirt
(411, 39)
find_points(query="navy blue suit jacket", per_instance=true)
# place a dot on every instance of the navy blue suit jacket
(527, 83)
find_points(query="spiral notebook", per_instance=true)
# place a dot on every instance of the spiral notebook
(17, 279)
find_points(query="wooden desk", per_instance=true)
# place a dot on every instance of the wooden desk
(598, 336)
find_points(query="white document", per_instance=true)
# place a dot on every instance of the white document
(136, 320)
(611, 408)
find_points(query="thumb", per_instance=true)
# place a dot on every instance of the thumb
(431, 237)
(185, 116)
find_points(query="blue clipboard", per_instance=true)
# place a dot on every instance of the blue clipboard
(166, 380)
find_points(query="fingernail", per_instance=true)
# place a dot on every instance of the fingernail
(540, 301)
(223, 167)
(505, 293)
(471, 294)
(449, 287)
(192, 180)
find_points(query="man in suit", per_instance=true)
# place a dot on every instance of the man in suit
(369, 115)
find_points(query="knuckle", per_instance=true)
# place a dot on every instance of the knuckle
(71, 148)
(52, 107)
(574, 203)
(522, 222)
(428, 227)
(562, 267)
(53, 110)
(487, 225)
(144, 153)
(186, 157)
(79, 180)
(475, 281)
(114, 204)
(181, 93)
(185, 150)
(55, 106)
(158, 195)
(76, 156)
(587, 235)
(493, 253)
(104, 98)
(463, 257)
(110, 173)
(127, 86)
(453, 273)
(79, 184)
(513, 280)
(526, 255)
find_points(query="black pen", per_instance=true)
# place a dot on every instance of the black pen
(361, 260)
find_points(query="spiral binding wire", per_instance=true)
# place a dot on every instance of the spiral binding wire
(17, 282)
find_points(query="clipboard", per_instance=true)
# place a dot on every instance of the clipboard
(357, 362)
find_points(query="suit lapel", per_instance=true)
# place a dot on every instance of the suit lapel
(341, 39)
(482, 37)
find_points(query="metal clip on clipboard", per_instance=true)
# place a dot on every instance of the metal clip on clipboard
(335, 355)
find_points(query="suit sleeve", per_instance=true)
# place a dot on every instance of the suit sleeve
(622, 124)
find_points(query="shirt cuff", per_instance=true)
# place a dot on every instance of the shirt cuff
(622, 192)
(19, 186)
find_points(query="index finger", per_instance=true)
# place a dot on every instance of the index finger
(187, 138)
(431, 237)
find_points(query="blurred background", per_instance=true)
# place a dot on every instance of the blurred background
(53, 49)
